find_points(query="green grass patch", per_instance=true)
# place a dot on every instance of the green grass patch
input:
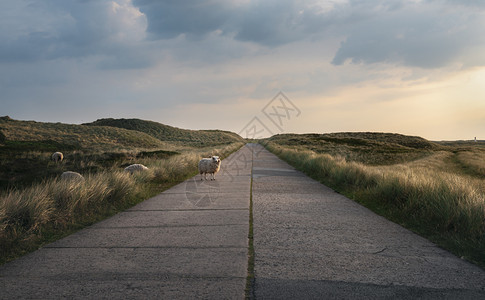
(10, 147)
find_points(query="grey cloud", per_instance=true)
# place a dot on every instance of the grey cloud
(273, 23)
(419, 35)
(269, 23)
(127, 60)
(470, 3)
(168, 19)
(54, 29)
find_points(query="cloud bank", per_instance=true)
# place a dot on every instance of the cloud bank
(426, 34)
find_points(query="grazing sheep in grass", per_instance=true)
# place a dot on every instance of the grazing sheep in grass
(57, 157)
(209, 166)
(70, 175)
(135, 168)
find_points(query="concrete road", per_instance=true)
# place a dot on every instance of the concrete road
(312, 243)
(189, 242)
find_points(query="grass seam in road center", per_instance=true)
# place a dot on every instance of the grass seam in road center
(249, 292)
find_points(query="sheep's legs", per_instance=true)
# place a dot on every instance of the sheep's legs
(212, 176)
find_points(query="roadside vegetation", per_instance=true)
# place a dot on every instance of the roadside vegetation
(434, 189)
(37, 207)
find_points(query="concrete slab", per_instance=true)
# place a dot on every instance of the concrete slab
(126, 286)
(162, 218)
(185, 236)
(371, 268)
(313, 243)
(187, 201)
(184, 262)
(211, 187)
(319, 289)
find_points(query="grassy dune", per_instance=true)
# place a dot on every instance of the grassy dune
(172, 134)
(22, 134)
(367, 147)
(37, 207)
(436, 190)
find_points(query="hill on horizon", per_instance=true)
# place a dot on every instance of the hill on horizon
(107, 134)
(171, 134)
(32, 135)
(361, 139)
(369, 147)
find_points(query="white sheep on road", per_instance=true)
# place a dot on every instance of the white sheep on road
(209, 166)
(57, 157)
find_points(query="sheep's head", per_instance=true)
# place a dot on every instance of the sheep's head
(216, 159)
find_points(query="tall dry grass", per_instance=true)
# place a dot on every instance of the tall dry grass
(447, 207)
(473, 160)
(28, 216)
(58, 204)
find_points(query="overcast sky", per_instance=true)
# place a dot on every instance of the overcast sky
(412, 67)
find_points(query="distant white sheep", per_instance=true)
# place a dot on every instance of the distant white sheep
(135, 168)
(57, 157)
(209, 166)
(70, 175)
